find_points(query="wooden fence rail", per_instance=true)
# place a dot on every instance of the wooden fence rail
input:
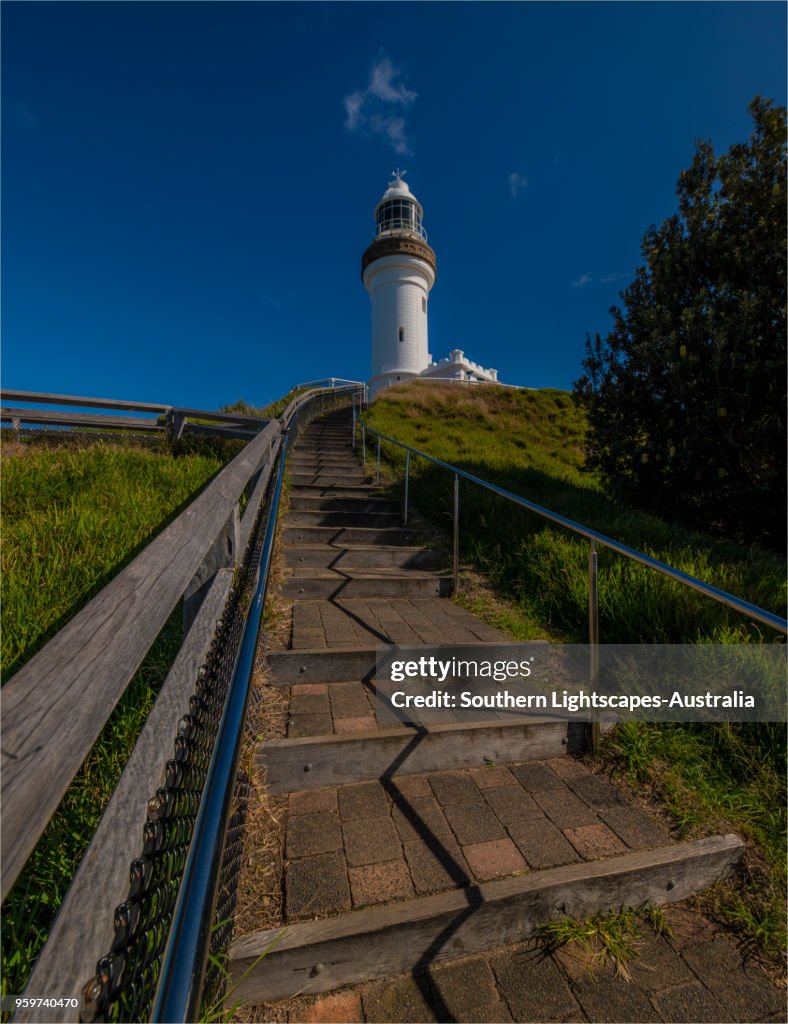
(80, 934)
(175, 420)
(45, 398)
(55, 707)
(78, 419)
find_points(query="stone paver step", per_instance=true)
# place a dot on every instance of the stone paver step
(331, 479)
(342, 536)
(356, 622)
(692, 972)
(333, 518)
(346, 490)
(321, 708)
(330, 585)
(307, 572)
(329, 467)
(339, 458)
(324, 442)
(320, 429)
(325, 450)
(460, 861)
(332, 503)
(376, 556)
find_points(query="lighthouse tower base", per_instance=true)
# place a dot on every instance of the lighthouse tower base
(456, 368)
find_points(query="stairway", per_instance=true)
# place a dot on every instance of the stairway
(418, 840)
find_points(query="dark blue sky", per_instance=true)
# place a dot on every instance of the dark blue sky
(188, 188)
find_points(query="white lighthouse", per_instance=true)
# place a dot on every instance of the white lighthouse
(398, 270)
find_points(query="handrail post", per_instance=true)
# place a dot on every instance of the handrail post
(456, 558)
(377, 466)
(593, 635)
(407, 481)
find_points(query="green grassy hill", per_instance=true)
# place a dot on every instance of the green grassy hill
(531, 443)
(706, 777)
(71, 519)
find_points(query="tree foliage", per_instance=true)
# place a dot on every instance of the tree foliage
(686, 395)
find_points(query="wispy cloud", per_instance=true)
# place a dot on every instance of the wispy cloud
(585, 279)
(517, 183)
(380, 109)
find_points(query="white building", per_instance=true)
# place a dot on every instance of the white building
(398, 270)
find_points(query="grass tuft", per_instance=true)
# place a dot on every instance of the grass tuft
(718, 778)
(612, 939)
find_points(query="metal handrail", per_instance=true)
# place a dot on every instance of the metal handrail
(331, 382)
(399, 226)
(185, 959)
(594, 536)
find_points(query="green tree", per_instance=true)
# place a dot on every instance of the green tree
(686, 395)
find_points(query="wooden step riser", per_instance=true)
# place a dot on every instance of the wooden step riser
(308, 464)
(329, 480)
(321, 665)
(295, 535)
(339, 441)
(334, 449)
(313, 762)
(304, 503)
(343, 453)
(343, 429)
(382, 587)
(355, 558)
(313, 447)
(331, 665)
(321, 491)
(342, 519)
(362, 945)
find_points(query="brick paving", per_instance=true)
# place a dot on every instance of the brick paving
(379, 842)
(673, 979)
(444, 830)
(348, 622)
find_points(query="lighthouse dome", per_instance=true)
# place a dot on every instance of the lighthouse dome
(398, 188)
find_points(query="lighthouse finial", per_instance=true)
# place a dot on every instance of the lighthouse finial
(398, 174)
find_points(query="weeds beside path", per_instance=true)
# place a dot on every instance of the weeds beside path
(72, 517)
(530, 579)
(531, 443)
